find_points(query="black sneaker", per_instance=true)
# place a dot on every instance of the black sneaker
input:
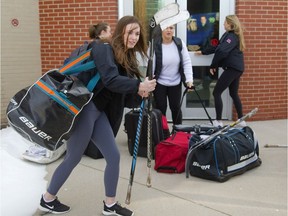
(116, 210)
(54, 207)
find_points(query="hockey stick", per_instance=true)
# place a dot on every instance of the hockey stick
(275, 146)
(211, 137)
(135, 151)
(180, 105)
(193, 87)
(181, 16)
(162, 14)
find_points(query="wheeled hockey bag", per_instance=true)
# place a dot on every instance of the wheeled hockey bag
(229, 154)
(170, 154)
(130, 124)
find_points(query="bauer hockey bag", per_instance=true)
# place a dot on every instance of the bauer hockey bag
(45, 112)
(228, 154)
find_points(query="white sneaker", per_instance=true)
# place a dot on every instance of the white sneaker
(217, 123)
(241, 124)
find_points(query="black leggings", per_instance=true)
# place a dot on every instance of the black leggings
(174, 97)
(229, 78)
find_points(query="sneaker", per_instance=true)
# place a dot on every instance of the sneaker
(217, 123)
(54, 207)
(241, 124)
(117, 210)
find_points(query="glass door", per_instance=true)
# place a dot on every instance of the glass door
(204, 27)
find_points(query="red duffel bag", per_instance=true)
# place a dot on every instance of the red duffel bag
(170, 154)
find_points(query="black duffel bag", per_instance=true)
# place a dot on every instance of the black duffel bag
(229, 154)
(45, 112)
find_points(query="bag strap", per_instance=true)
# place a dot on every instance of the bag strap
(73, 66)
(92, 83)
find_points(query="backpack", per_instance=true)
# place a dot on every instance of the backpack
(76, 52)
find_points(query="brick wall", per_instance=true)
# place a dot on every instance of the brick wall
(264, 83)
(64, 26)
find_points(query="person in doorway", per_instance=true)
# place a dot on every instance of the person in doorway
(229, 56)
(119, 77)
(172, 66)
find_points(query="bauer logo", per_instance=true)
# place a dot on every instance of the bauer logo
(244, 157)
(34, 129)
(203, 167)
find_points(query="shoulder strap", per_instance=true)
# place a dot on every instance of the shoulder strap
(178, 43)
(73, 66)
(92, 83)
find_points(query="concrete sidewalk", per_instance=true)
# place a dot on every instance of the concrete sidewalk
(261, 191)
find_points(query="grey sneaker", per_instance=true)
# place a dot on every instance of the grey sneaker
(116, 210)
(54, 207)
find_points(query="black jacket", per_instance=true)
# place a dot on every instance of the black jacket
(114, 87)
(227, 53)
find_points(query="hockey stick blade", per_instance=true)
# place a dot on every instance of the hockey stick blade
(166, 12)
(181, 16)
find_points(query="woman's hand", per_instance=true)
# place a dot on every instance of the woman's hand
(199, 52)
(146, 86)
(212, 71)
(189, 86)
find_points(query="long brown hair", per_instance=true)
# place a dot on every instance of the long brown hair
(124, 56)
(235, 25)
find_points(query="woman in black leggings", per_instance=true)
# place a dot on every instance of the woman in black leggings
(229, 56)
(100, 119)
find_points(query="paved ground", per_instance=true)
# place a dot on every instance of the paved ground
(258, 192)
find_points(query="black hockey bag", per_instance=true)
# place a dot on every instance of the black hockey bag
(228, 154)
(45, 112)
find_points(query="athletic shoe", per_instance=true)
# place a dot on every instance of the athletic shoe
(54, 207)
(116, 210)
(241, 124)
(217, 123)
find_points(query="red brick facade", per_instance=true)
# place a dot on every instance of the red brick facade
(264, 83)
(64, 24)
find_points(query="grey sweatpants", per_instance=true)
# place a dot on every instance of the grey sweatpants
(91, 125)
